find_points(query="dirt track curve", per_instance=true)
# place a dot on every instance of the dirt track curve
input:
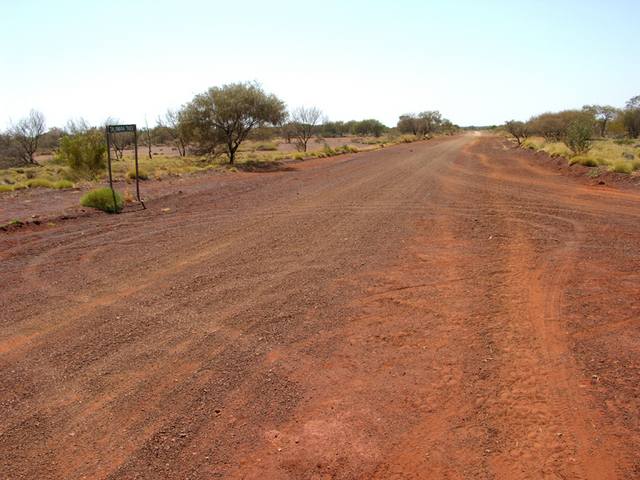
(450, 309)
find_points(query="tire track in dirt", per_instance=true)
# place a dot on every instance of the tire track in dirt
(417, 312)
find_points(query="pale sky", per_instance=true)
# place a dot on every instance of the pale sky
(478, 62)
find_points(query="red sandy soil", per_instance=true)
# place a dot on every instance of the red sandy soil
(453, 308)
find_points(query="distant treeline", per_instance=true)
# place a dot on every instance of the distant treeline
(214, 122)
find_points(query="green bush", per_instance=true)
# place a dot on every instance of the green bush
(635, 165)
(142, 175)
(621, 168)
(577, 136)
(39, 183)
(6, 188)
(85, 154)
(586, 161)
(103, 200)
(63, 184)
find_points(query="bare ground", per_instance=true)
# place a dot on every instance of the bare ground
(448, 309)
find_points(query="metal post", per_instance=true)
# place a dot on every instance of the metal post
(113, 192)
(135, 136)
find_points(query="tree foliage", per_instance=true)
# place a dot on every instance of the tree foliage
(603, 115)
(631, 117)
(553, 126)
(519, 130)
(221, 118)
(425, 123)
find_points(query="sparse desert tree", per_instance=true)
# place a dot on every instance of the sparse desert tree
(519, 130)
(8, 149)
(304, 121)
(147, 137)
(223, 117)
(26, 133)
(175, 124)
(84, 153)
(409, 123)
(429, 121)
(603, 114)
(118, 141)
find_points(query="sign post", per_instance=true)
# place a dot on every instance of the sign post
(123, 129)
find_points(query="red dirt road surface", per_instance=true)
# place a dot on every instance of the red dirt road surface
(450, 309)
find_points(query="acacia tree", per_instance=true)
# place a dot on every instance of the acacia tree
(519, 130)
(409, 123)
(225, 116)
(429, 121)
(304, 121)
(603, 115)
(26, 134)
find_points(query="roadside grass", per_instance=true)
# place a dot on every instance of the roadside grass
(586, 161)
(618, 155)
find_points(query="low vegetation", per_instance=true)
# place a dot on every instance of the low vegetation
(103, 199)
(593, 136)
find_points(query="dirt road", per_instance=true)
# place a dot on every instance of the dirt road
(447, 309)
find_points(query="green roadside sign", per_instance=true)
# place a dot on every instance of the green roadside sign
(121, 128)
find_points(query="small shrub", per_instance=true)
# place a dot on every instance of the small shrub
(6, 188)
(635, 165)
(39, 183)
(127, 196)
(586, 161)
(158, 175)
(621, 168)
(298, 156)
(623, 141)
(20, 186)
(63, 184)
(31, 173)
(142, 175)
(233, 169)
(577, 136)
(102, 199)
